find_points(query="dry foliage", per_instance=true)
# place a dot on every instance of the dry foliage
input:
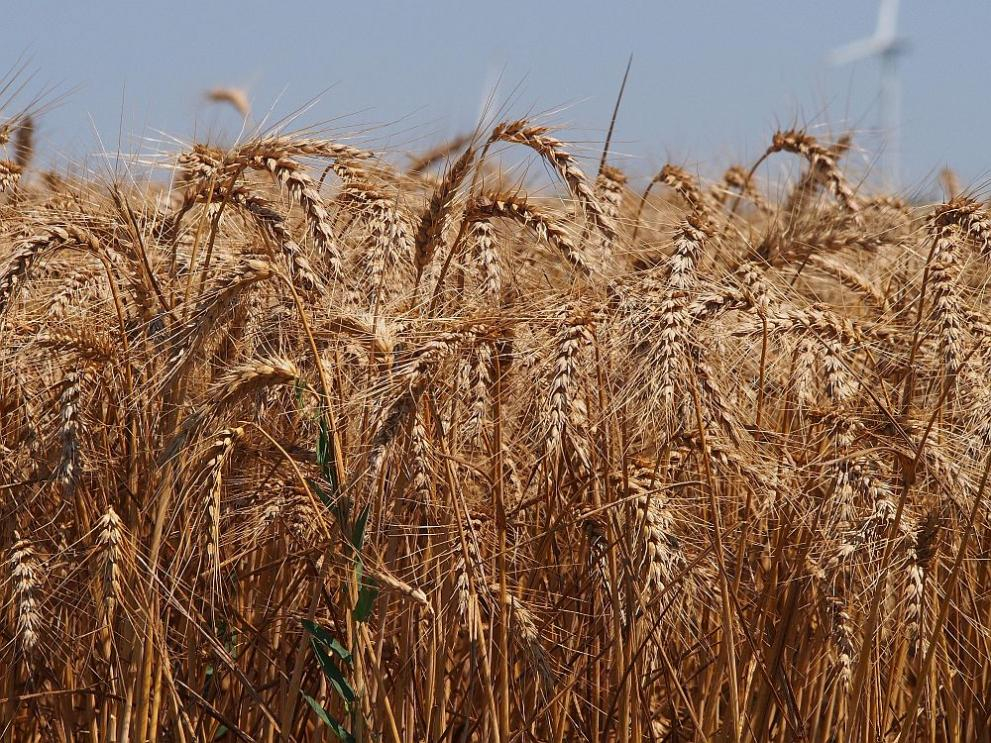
(414, 455)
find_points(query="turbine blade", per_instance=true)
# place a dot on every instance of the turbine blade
(887, 19)
(858, 50)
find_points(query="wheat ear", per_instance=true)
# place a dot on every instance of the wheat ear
(305, 192)
(411, 380)
(24, 256)
(220, 452)
(821, 161)
(539, 140)
(528, 215)
(110, 540)
(68, 469)
(482, 240)
(574, 335)
(610, 186)
(266, 371)
(921, 549)
(273, 222)
(10, 174)
(26, 578)
(210, 309)
(437, 215)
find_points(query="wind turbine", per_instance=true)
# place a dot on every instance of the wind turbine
(887, 46)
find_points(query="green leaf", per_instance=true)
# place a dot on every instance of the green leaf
(328, 641)
(318, 632)
(342, 510)
(358, 533)
(327, 720)
(325, 455)
(363, 606)
(342, 652)
(221, 732)
(323, 444)
(324, 498)
(367, 591)
(333, 673)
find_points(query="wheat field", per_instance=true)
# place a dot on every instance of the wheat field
(301, 441)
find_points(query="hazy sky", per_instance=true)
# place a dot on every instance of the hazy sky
(710, 80)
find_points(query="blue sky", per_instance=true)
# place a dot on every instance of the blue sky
(710, 80)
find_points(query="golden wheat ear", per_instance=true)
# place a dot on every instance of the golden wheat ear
(552, 150)
(26, 580)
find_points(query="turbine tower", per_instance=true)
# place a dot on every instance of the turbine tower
(887, 46)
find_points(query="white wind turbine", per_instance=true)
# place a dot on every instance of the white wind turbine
(887, 47)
